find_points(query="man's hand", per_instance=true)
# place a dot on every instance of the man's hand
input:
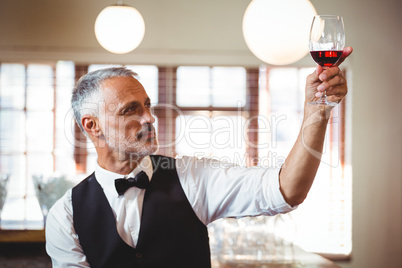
(330, 80)
(298, 171)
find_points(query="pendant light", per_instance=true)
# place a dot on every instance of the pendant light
(277, 31)
(119, 28)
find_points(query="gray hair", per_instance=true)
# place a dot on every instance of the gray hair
(87, 94)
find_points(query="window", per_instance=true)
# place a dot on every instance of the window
(32, 112)
(211, 121)
(211, 135)
(204, 86)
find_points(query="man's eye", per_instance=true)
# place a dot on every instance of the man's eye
(129, 110)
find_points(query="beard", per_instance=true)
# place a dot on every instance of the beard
(135, 146)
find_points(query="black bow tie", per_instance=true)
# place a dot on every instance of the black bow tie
(140, 181)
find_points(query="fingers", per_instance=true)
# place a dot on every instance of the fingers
(337, 91)
(330, 82)
(329, 74)
(333, 82)
(346, 52)
(319, 70)
(313, 78)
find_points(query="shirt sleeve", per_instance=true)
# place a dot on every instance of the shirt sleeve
(217, 189)
(62, 244)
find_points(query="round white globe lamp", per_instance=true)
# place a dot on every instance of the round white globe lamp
(119, 29)
(277, 31)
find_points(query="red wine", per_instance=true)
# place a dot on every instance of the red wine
(326, 58)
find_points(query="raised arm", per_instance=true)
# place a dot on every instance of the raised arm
(299, 170)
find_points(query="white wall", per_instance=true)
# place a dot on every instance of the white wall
(209, 32)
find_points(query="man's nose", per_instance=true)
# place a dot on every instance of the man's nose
(147, 117)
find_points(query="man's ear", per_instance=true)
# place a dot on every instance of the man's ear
(91, 125)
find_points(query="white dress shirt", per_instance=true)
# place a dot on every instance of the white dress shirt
(214, 190)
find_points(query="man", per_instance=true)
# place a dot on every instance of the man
(161, 221)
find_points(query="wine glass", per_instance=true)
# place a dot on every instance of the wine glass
(327, 40)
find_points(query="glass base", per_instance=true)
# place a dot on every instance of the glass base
(323, 102)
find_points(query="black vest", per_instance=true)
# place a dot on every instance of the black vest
(171, 235)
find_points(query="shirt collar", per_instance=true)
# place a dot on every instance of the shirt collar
(106, 178)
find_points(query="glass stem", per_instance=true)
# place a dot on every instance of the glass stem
(324, 95)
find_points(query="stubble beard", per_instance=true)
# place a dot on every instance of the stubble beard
(132, 148)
